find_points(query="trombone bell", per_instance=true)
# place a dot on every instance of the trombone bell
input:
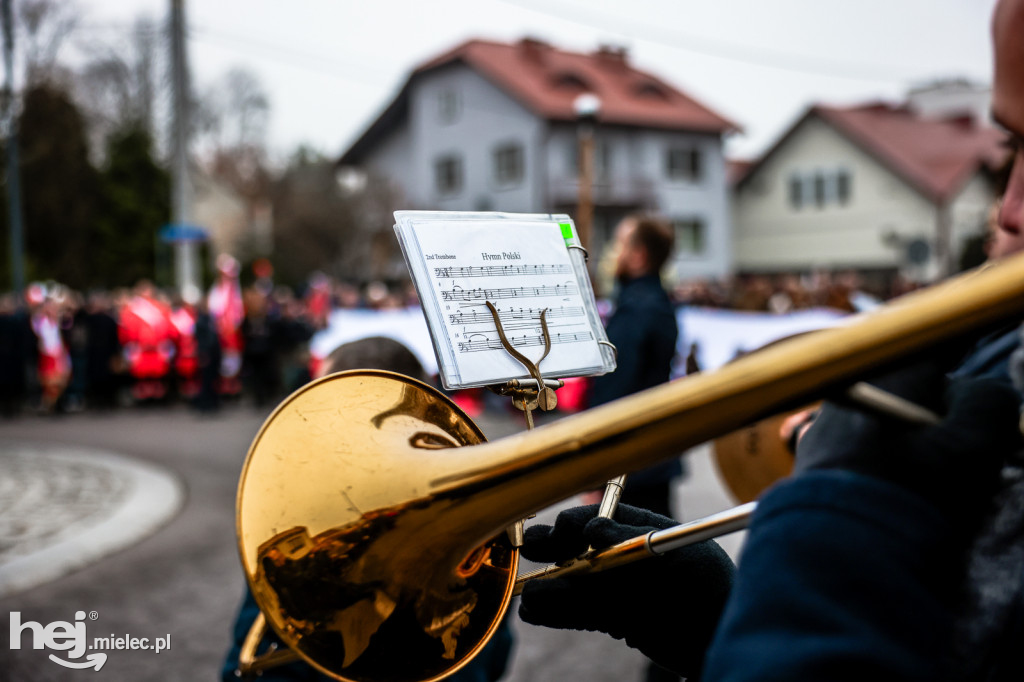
(343, 569)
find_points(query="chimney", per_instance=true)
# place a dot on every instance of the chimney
(533, 49)
(613, 55)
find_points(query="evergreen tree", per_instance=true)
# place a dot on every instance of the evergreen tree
(59, 190)
(135, 203)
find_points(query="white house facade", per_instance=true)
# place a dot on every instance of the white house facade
(873, 189)
(490, 126)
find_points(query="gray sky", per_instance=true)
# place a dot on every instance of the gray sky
(329, 66)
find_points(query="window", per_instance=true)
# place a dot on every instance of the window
(448, 174)
(691, 238)
(796, 192)
(508, 164)
(843, 186)
(448, 106)
(820, 188)
(683, 163)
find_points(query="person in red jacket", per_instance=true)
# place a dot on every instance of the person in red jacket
(186, 361)
(149, 338)
(227, 311)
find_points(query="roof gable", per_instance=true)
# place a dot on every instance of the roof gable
(934, 156)
(547, 80)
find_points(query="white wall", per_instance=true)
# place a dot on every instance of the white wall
(771, 235)
(970, 211)
(486, 119)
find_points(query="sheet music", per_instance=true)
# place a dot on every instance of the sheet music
(525, 269)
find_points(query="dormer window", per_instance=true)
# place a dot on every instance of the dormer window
(571, 81)
(650, 90)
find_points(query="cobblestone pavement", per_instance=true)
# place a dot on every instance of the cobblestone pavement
(62, 507)
(44, 497)
(180, 577)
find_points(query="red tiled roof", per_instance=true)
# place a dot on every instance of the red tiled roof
(935, 156)
(737, 169)
(547, 80)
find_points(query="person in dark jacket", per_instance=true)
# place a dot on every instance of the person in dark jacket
(17, 355)
(103, 352)
(644, 331)
(208, 350)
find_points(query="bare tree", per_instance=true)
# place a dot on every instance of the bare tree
(44, 28)
(232, 113)
(342, 229)
(119, 86)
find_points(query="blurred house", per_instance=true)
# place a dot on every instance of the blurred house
(882, 189)
(222, 211)
(238, 222)
(492, 127)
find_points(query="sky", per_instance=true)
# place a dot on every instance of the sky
(330, 66)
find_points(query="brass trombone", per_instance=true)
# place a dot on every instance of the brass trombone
(374, 560)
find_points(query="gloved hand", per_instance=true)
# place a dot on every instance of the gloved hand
(666, 606)
(954, 464)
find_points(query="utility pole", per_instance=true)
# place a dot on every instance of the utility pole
(10, 120)
(185, 257)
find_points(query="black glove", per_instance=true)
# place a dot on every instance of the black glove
(954, 464)
(666, 606)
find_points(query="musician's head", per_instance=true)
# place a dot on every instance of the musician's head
(1008, 111)
(376, 352)
(643, 244)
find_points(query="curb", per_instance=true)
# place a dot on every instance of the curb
(152, 497)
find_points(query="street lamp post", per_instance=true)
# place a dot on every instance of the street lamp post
(587, 106)
(187, 275)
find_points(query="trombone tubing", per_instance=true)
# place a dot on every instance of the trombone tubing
(722, 523)
(652, 544)
(553, 462)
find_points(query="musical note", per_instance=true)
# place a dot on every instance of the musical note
(511, 314)
(501, 271)
(523, 341)
(459, 294)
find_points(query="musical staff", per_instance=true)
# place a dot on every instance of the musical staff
(459, 294)
(513, 314)
(501, 271)
(523, 341)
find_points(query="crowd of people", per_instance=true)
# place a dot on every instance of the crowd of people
(63, 351)
(843, 290)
